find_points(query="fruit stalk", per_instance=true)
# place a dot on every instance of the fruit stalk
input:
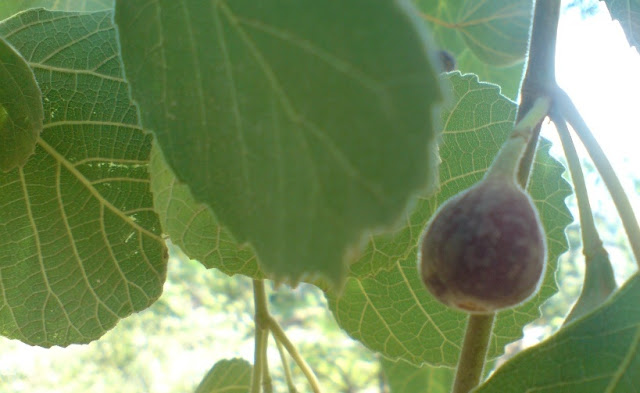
(474, 351)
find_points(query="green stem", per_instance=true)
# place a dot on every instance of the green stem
(280, 335)
(590, 237)
(261, 335)
(508, 158)
(540, 77)
(267, 384)
(287, 370)
(599, 282)
(568, 110)
(474, 351)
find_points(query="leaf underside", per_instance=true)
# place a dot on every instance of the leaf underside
(228, 376)
(80, 244)
(597, 353)
(487, 38)
(627, 12)
(21, 110)
(281, 125)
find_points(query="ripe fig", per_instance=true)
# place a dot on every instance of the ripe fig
(484, 249)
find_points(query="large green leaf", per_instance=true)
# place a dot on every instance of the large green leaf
(385, 304)
(303, 124)
(193, 227)
(404, 377)
(11, 7)
(627, 12)
(80, 245)
(488, 38)
(20, 109)
(228, 376)
(595, 354)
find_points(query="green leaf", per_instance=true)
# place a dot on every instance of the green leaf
(627, 12)
(302, 135)
(228, 376)
(80, 245)
(9, 8)
(487, 38)
(193, 227)
(598, 353)
(599, 283)
(404, 377)
(385, 305)
(21, 110)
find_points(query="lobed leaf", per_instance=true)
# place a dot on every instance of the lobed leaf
(228, 376)
(80, 244)
(384, 303)
(21, 110)
(301, 138)
(597, 353)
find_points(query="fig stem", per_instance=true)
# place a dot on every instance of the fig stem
(506, 163)
(599, 281)
(568, 110)
(474, 351)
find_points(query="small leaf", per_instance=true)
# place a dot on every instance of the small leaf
(302, 135)
(9, 8)
(193, 227)
(21, 110)
(595, 354)
(599, 284)
(80, 244)
(385, 305)
(228, 376)
(404, 377)
(627, 12)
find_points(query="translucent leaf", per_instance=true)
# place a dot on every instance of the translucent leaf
(404, 377)
(80, 244)
(303, 136)
(487, 38)
(228, 376)
(9, 8)
(20, 109)
(193, 227)
(598, 353)
(627, 12)
(384, 304)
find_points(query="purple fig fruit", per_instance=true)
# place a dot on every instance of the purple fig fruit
(484, 249)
